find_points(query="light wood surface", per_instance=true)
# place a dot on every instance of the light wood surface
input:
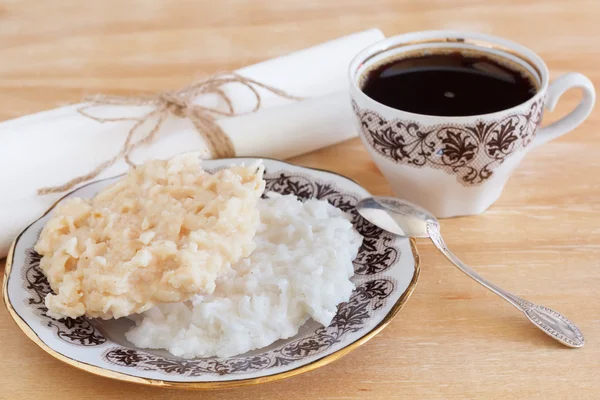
(454, 339)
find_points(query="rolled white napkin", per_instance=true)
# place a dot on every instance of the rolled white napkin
(51, 147)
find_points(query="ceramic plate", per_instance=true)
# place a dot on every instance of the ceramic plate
(386, 272)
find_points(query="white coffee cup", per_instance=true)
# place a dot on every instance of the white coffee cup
(458, 165)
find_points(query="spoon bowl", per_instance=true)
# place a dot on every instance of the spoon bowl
(396, 216)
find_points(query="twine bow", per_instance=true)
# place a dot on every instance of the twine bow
(180, 104)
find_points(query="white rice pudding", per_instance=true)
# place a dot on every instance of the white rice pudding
(160, 234)
(300, 269)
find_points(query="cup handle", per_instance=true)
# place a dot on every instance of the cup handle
(575, 117)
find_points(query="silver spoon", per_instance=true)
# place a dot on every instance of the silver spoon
(408, 220)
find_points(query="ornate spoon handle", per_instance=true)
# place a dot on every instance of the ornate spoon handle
(551, 322)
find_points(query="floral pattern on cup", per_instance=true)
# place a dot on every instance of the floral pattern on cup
(469, 151)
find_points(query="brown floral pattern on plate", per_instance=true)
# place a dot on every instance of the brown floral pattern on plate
(78, 331)
(469, 151)
(351, 317)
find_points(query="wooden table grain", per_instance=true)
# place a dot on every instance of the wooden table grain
(453, 339)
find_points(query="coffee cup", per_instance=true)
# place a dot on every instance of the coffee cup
(448, 163)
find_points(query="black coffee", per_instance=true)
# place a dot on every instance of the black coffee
(448, 85)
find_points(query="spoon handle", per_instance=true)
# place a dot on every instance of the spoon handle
(551, 322)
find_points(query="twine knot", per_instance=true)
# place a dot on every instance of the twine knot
(174, 103)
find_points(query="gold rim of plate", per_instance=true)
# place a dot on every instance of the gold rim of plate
(214, 384)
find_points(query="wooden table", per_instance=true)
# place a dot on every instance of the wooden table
(454, 339)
